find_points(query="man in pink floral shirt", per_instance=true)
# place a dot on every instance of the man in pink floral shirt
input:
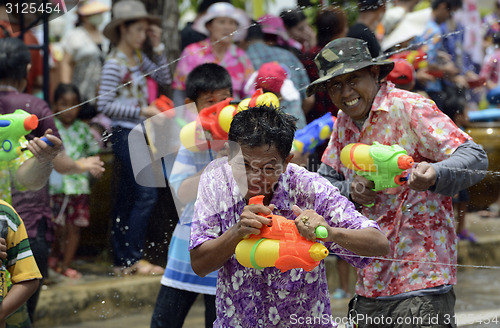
(416, 279)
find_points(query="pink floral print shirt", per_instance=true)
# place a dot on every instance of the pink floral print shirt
(419, 225)
(235, 61)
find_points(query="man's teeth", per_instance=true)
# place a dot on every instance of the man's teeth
(352, 102)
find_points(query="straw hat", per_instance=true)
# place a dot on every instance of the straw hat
(127, 10)
(91, 7)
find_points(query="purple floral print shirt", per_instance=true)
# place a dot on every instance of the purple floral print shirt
(248, 297)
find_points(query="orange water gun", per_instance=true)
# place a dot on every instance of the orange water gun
(216, 120)
(280, 246)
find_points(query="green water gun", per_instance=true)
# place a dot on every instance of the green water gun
(384, 165)
(12, 127)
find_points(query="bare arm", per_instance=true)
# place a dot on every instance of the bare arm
(17, 296)
(364, 242)
(189, 188)
(212, 254)
(34, 173)
(66, 68)
(65, 165)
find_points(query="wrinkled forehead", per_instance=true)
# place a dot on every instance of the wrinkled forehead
(263, 154)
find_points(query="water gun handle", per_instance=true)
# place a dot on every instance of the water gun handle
(47, 141)
(321, 231)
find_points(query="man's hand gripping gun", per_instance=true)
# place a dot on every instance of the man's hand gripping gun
(280, 246)
(12, 127)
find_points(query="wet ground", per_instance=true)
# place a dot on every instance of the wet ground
(477, 291)
(478, 305)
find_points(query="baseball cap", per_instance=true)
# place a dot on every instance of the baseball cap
(402, 73)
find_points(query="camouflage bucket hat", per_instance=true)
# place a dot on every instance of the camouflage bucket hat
(342, 56)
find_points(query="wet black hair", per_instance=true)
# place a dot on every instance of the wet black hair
(263, 125)
(207, 78)
(254, 32)
(14, 59)
(292, 17)
(63, 88)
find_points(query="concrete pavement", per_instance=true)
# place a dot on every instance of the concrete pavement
(100, 300)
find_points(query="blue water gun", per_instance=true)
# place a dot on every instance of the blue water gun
(314, 134)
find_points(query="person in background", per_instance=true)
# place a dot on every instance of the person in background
(402, 75)
(70, 193)
(260, 53)
(437, 58)
(219, 23)
(395, 14)
(416, 217)
(299, 29)
(34, 205)
(490, 69)
(206, 85)
(19, 276)
(84, 50)
(188, 34)
(370, 15)
(331, 24)
(127, 107)
(491, 25)
(10, 28)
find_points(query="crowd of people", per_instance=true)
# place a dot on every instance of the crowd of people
(403, 73)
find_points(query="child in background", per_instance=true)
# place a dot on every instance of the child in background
(70, 193)
(206, 85)
(20, 264)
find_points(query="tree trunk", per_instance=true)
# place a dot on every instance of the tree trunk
(171, 35)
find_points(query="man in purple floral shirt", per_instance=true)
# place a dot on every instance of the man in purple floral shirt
(259, 164)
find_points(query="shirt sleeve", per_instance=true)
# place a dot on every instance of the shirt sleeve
(159, 69)
(20, 261)
(107, 102)
(438, 136)
(465, 167)
(206, 224)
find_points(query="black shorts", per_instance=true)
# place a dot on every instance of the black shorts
(414, 312)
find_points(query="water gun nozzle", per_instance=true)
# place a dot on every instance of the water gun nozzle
(405, 162)
(30, 122)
